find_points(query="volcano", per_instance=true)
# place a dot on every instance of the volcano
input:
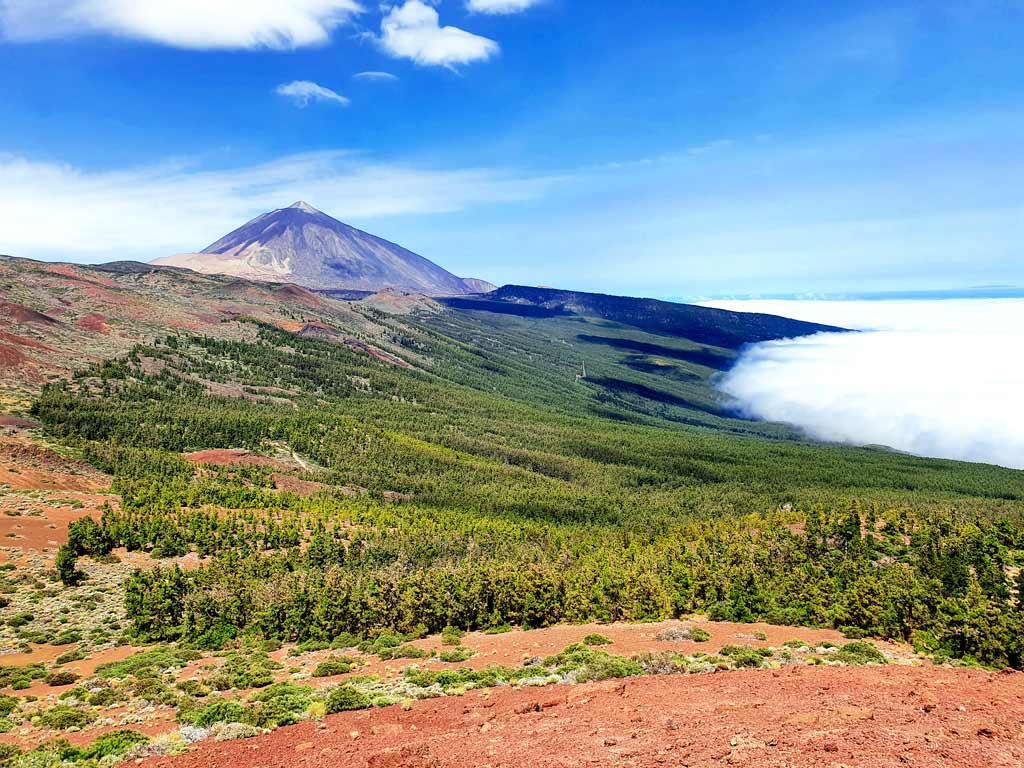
(300, 244)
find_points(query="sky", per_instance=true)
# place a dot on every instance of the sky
(932, 378)
(655, 147)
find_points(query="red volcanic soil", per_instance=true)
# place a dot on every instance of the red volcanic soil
(231, 457)
(870, 717)
(94, 322)
(29, 467)
(11, 356)
(16, 313)
(11, 338)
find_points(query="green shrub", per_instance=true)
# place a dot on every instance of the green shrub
(745, 656)
(336, 665)
(455, 655)
(588, 665)
(61, 677)
(102, 697)
(344, 698)
(8, 704)
(404, 652)
(498, 629)
(280, 704)
(597, 639)
(451, 635)
(62, 717)
(699, 635)
(859, 652)
(215, 712)
(115, 743)
(7, 753)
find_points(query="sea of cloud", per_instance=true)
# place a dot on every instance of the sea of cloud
(933, 378)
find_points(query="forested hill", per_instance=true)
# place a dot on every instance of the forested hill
(703, 325)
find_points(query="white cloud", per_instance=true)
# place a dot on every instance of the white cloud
(201, 24)
(302, 92)
(941, 378)
(413, 31)
(375, 76)
(500, 6)
(57, 211)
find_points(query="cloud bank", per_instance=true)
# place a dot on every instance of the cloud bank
(58, 211)
(304, 92)
(501, 7)
(413, 31)
(942, 379)
(200, 24)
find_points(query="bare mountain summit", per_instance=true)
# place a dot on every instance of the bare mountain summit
(302, 245)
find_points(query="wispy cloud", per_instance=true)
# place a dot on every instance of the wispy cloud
(57, 211)
(375, 76)
(938, 379)
(413, 31)
(500, 6)
(303, 92)
(201, 24)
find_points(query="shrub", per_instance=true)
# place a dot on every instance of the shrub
(679, 634)
(336, 665)
(404, 652)
(215, 712)
(280, 704)
(455, 655)
(115, 743)
(498, 629)
(745, 656)
(102, 697)
(62, 717)
(597, 639)
(61, 677)
(859, 652)
(587, 664)
(451, 635)
(345, 698)
(8, 704)
(8, 752)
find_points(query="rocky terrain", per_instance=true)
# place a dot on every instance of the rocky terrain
(302, 245)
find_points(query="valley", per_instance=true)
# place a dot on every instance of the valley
(242, 510)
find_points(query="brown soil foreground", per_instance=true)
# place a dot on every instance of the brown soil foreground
(868, 717)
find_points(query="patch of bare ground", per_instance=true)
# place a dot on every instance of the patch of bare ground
(868, 717)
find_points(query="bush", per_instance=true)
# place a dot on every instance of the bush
(451, 635)
(102, 697)
(216, 712)
(336, 665)
(745, 656)
(115, 743)
(61, 677)
(62, 717)
(345, 698)
(404, 652)
(7, 752)
(280, 704)
(8, 704)
(859, 652)
(589, 665)
(597, 639)
(455, 655)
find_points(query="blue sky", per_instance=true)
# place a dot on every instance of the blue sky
(662, 148)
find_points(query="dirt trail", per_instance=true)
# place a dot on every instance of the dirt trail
(800, 716)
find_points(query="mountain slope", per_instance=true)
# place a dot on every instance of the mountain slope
(703, 325)
(302, 245)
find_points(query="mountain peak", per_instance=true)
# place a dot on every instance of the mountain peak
(318, 251)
